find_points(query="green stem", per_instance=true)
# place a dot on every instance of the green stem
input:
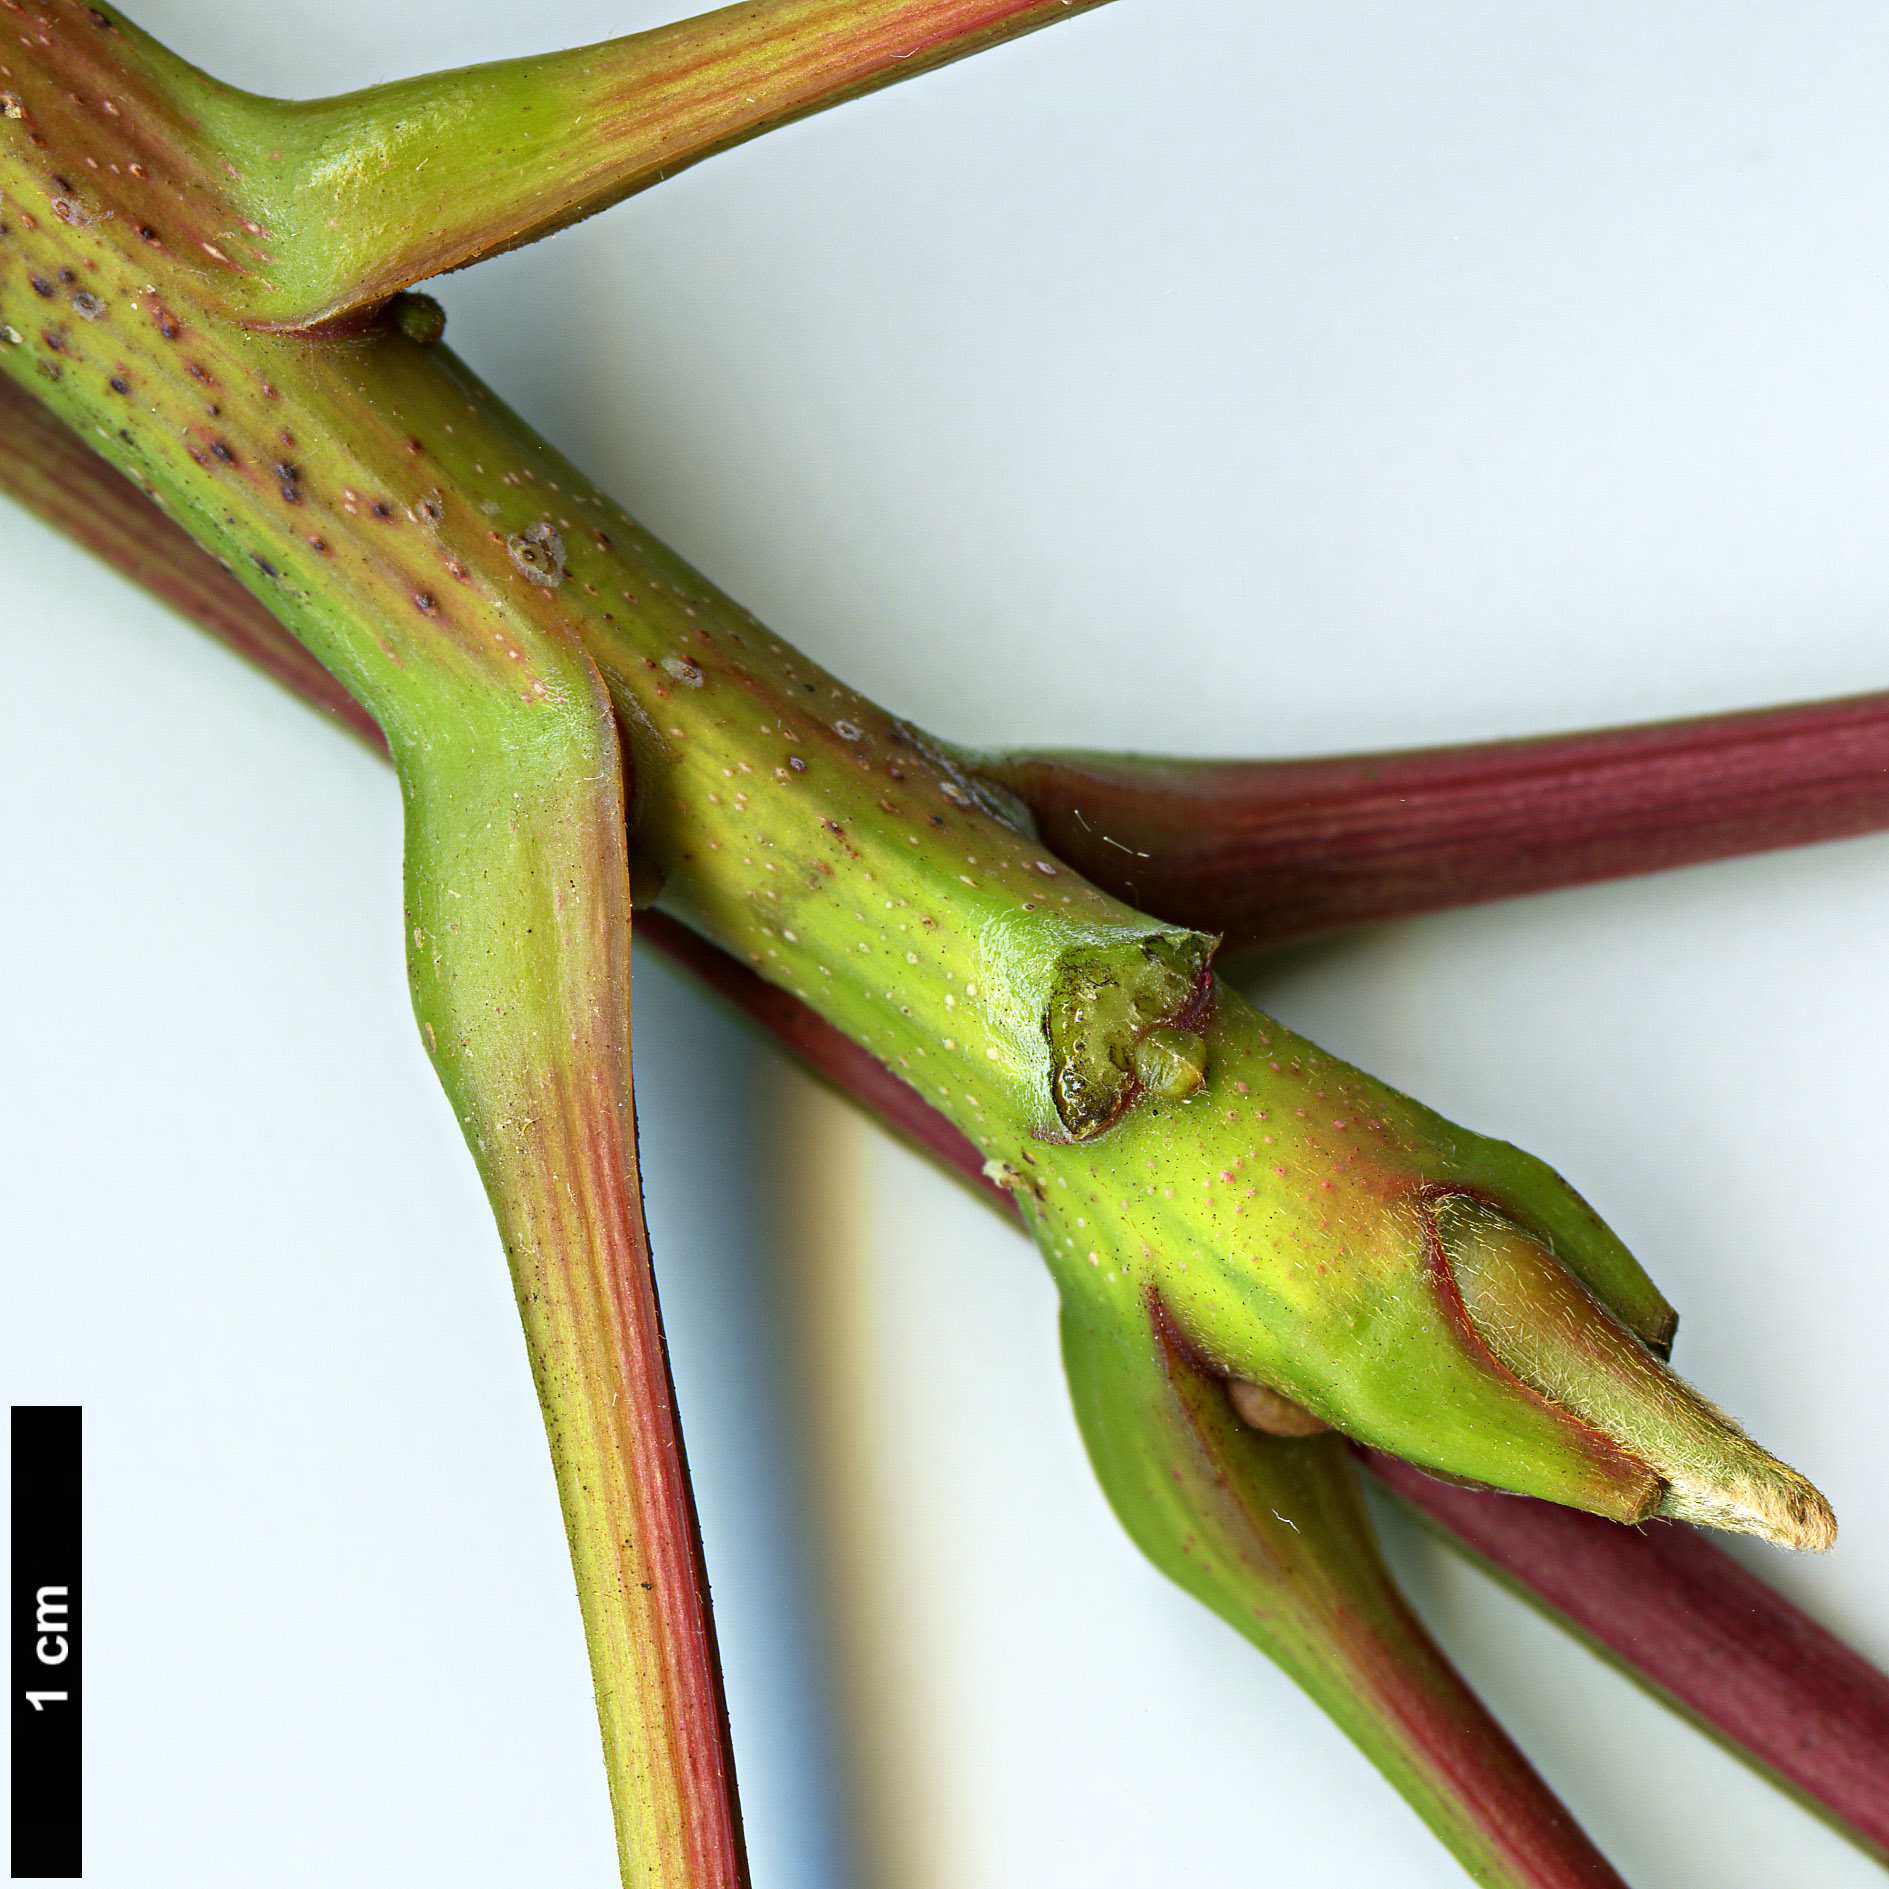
(1270, 1533)
(47, 468)
(1677, 1614)
(471, 588)
(842, 853)
(428, 174)
(517, 889)
(518, 928)
(305, 213)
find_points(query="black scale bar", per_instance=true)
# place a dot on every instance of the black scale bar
(47, 1625)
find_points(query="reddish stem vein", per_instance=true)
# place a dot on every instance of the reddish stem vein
(1699, 1629)
(1268, 851)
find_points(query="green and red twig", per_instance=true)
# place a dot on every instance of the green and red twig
(1067, 1022)
(1684, 1617)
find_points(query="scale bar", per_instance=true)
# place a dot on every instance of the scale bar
(47, 1692)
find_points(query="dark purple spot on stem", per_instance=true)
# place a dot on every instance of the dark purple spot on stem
(41, 286)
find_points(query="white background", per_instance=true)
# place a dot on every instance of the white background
(1206, 375)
